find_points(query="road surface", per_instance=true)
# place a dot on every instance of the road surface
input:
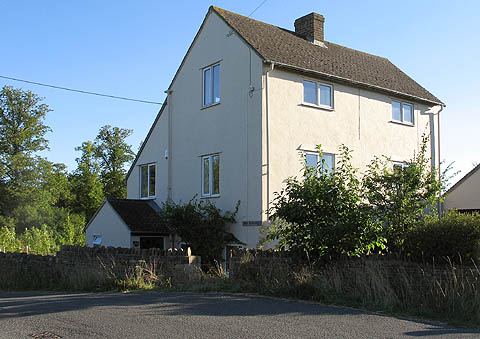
(192, 315)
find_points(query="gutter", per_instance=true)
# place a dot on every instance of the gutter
(354, 82)
(267, 126)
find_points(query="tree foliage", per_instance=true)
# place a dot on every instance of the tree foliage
(332, 214)
(112, 153)
(402, 195)
(22, 134)
(87, 188)
(322, 214)
(42, 206)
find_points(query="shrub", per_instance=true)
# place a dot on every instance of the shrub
(8, 237)
(202, 226)
(455, 236)
(322, 215)
(402, 196)
(39, 241)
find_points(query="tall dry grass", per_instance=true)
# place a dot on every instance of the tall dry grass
(450, 292)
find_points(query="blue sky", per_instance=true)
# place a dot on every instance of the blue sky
(133, 48)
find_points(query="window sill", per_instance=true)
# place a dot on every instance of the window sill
(210, 196)
(211, 105)
(148, 198)
(322, 108)
(401, 123)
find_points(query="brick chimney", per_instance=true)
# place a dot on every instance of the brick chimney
(310, 27)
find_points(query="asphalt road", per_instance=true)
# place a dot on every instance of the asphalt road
(190, 315)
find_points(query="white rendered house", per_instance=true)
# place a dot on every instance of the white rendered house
(250, 101)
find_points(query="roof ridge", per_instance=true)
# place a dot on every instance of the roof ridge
(218, 9)
(283, 46)
(295, 34)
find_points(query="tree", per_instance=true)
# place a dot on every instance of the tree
(22, 134)
(113, 153)
(46, 201)
(322, 214)
(87, 187)
(400, 196)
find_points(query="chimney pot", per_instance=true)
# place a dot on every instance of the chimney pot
(310, 27)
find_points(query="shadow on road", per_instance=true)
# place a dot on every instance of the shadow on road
(18, 305)
(207, 304)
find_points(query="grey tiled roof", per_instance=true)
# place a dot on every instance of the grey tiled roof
(336, 62)
(140, 215)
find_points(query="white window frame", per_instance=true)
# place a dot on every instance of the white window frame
(210, 176)
(95, 241)
(402, 113)
(400, 164)
(317, 86)
(149, 165)
(212, 95)
(319, 160)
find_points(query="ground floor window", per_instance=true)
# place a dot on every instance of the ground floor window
(399, 166)
(324, 163)
(211, 175)
(97, 239)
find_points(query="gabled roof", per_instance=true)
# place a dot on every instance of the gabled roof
(338, 63)
(140, 215)
(335, 62)
(461, 181)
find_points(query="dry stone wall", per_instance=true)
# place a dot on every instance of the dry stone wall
(86, 268)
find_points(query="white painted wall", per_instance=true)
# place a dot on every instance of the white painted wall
(361, 119)
(110, 226)
(198, 131)
(221, 128)
(153, 152)
(466, 195)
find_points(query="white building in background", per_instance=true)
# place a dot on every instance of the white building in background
(464, 196)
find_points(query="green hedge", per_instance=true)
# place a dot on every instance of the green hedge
(455, 236)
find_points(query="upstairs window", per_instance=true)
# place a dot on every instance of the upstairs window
(318, 94)
(402, 112)
(147, 181)
(211, 175)
(211, 85)
(325, 163)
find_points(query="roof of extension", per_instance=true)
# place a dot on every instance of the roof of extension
(335, 62)
(140, 215)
